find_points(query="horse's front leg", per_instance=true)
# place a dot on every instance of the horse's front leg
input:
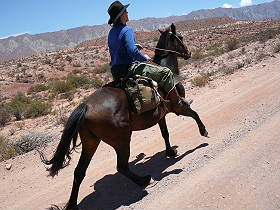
(191, 113)
(170, 152)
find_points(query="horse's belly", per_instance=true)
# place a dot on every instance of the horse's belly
(145, 120)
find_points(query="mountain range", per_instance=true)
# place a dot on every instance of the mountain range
(26, 44)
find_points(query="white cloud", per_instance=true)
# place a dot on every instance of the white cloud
(226, 5)
(246, 3)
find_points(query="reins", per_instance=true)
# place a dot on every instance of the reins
(162, 49)
(167, 50)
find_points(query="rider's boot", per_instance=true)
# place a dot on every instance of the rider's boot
(178, 103)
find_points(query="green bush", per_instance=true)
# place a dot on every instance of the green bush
(197, 55)
(59, 86)
(265, 35)
(37, 88)
(97, 83)
(215, 51)
(4, 116)
(276, 48)
(69, 58)
(77, 81)
(37, 109)
(232, 44)
(77, 71)
(102, 69)
(22, 106)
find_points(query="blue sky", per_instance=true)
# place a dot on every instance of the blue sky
(39, 16)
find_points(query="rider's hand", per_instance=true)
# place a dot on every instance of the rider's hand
(147, 57)
(139, 46)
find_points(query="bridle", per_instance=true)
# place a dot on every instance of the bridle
(167, 50)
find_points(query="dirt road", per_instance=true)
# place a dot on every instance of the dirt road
(237, 168)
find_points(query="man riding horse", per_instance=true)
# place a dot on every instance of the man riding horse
(106, 116)
(127, 59)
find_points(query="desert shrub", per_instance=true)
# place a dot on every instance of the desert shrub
(232, 44)
(69, 58)
(37, 88)
(181, 62)
(265, 35)
(19, 65)
(41, 77)
(215, 51)
(20, 125)
(276, 48)
(68, 95)
(22, 106)
(32, 141)
(72, 82)
(77, 64)
(200, 80)
(77, 81)
(240, 64)
(60, 68)
(247, 60)
(46, 61)
(18, 105)
(4, 116)
(7, 149)
(36, 109)
(97, 83)
(228, 70)
(102, 69)
(77, 71)
(60, 86)
(197, 55)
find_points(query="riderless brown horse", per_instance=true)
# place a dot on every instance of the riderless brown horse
(106, 116)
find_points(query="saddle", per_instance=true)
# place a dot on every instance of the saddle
(141, 92)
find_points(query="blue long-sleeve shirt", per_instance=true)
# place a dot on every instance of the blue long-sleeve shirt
(121, 42)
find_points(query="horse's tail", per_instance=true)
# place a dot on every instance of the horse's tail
(61, 157)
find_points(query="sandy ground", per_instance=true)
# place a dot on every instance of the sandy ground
(237, 168)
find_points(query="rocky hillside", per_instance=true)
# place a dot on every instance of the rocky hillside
(27, 45)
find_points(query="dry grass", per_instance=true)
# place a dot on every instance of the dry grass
(7, 150)
(200, 80)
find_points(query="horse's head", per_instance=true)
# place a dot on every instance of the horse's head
(172, 41)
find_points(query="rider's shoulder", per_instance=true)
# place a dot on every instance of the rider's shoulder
(127, 29)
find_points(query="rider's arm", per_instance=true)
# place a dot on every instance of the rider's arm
(129, 43)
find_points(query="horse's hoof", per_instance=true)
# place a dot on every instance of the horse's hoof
(171, 153)
(206, 134)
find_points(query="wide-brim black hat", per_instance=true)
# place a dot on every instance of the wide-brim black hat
(115, 10)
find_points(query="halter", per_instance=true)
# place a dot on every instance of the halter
(166, 50)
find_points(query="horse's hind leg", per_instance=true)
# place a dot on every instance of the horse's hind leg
(170, 152)
(123, 153)
(89, 146)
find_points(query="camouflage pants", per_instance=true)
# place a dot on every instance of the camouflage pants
(162, 75)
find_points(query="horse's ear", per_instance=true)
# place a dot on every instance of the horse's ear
(160, 31)
(173, 29)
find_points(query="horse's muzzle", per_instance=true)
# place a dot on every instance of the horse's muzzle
(187, 55)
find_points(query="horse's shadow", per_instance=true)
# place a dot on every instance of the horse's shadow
(113, 191)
